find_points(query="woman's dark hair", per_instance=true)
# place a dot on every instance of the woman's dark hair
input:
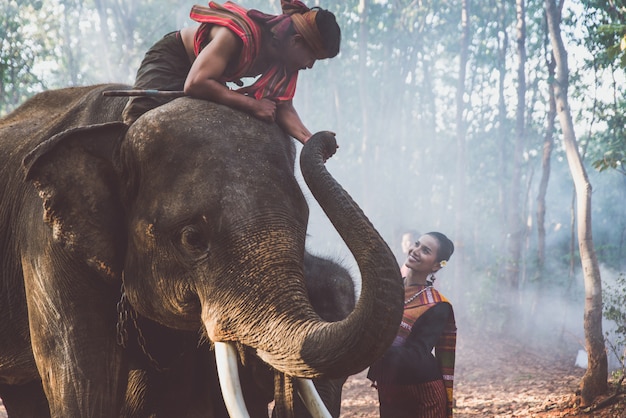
(446, 247)
(329, 30)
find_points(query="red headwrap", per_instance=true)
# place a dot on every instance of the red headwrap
(303, 20)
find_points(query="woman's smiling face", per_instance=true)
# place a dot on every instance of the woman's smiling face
(423, 255)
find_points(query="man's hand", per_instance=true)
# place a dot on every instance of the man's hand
(265, 110)
(327, 151)
(289, 121)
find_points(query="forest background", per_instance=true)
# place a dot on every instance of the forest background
(439, 128)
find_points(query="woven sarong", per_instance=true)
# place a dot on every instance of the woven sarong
(446, 346)
(425, 400)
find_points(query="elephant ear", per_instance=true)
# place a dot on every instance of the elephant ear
(74, 173)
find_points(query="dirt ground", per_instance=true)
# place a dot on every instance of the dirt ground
(497, 378)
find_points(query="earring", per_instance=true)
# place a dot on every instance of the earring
(431, 279)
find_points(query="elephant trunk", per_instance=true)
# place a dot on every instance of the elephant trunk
(339, 349)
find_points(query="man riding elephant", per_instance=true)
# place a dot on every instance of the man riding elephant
(232, 43)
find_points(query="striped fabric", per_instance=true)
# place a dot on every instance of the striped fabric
(425, 400)
(275, 83)
(446, 346)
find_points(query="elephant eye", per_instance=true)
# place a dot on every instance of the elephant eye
(192, 240)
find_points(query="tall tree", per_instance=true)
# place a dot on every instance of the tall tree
(594, 382)
(503, 128)
(515, 221)
(363, 80)
(461, 146)
(548, 145)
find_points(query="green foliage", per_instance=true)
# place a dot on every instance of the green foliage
(606, 23)
(614, 297)
(60, 43)
(615, 51)
(18, 53)
(609, 28)
(607, 147)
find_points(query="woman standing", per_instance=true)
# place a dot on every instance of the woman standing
(411, 380)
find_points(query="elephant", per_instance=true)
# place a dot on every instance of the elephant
(194, 217)
(176, 390)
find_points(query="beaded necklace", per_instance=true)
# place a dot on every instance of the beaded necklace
(412, 298)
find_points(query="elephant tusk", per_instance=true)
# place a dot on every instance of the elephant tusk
(228, 372)
(311, 399)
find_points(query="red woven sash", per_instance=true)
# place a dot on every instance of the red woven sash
(274, 83)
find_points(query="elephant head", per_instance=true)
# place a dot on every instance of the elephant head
(183, 372)
(196, 210)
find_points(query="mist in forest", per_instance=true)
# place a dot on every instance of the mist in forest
(536, 314)
(394, 118)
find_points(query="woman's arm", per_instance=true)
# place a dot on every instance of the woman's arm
(425, 333)
(209, 66)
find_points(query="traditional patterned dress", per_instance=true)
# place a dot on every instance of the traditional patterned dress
(411, 380)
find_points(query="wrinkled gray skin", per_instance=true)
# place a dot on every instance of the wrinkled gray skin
(196, 210)
(188, 370)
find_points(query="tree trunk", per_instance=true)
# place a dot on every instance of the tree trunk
(105, 35)
(548, 145)
(363, 79)
(70, 51)
(515, 221)
(503, 134)
(572, 240)
(594, 382)
(461, 149)
(363, 100)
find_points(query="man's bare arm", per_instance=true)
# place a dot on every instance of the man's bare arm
(289, 120)
(209, 66)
